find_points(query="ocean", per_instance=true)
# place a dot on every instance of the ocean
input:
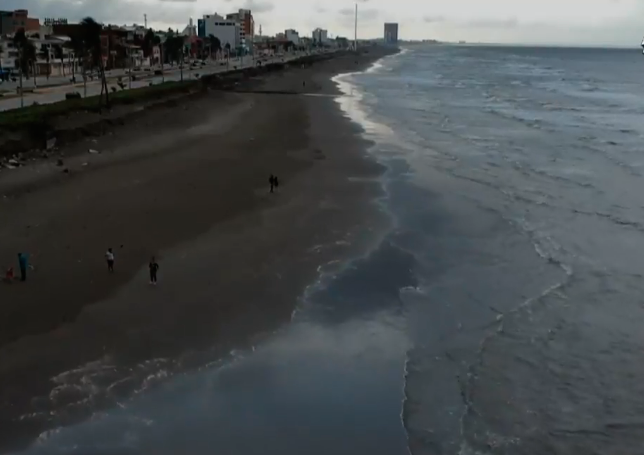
(502, 312)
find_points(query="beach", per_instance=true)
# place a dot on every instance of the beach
(188, 184)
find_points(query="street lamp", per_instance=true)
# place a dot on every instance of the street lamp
(22, 98)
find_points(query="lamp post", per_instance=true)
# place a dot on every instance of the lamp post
(181, 64)
(22, 99)
(161, 54)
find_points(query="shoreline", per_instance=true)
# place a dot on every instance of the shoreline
(128, 328)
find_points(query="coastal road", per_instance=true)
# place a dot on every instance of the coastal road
(55, 94)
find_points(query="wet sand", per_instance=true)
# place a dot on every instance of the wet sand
(189, 185)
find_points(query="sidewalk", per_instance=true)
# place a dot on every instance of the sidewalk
(55, 93)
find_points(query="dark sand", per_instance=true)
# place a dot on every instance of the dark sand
(188, 184)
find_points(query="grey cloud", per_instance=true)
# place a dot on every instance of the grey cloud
(509, 22)
(433, 19)
(258, 6)
(363, 14)
(112, 11)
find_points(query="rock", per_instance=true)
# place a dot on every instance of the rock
(94, 152)
(51, 143)
(66, 171)
(85, 164)
(59, 162)
(13, 162)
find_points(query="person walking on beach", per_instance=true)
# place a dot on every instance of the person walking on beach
(154, 268)
(22, 262)
(109, 256)
(276, 182)
(271, 181)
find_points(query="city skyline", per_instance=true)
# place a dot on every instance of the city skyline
(604, 22)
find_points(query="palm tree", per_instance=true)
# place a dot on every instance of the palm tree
(148, 42)
(26, 49)
(44, 53)
(215, 44)
(157, 42)
(227, 47)
(77, 47)
(91, 36)
(58, 54)
(173, 46)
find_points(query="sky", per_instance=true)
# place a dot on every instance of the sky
(560, 22)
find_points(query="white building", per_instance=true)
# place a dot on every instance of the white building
(190, 30)
(227, 31)
(134, 31)
(246, 25)
(320, 36)
(292, 36)
(8, 54)
(53, 56)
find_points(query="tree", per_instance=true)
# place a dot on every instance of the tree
(77, 47)
(173, 47)
(44, 54)
(148, 43)
(215, 44)
(58, 55)
(26, 51)
(157, 42)
(91, 36)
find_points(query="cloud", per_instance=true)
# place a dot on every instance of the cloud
(108, 12)
(363, 14)
(509, 22)
(433, 19)
(258, 6)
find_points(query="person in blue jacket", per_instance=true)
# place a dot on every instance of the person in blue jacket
(22, 261)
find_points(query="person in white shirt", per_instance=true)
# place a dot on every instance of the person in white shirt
(110, 259)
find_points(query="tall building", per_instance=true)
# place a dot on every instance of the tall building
(246, 24)
(293, 36)
(227, 31)
(320, 36)
(12, 21)
(391, 33)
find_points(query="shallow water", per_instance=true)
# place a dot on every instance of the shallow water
(516, 182)
(502, 312)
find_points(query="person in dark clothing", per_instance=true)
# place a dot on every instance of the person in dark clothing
(22, 262)
(154, 268)
(276, 182)
(109, 256)
(271, 181)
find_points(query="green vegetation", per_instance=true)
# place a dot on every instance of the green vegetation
(36, 115)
